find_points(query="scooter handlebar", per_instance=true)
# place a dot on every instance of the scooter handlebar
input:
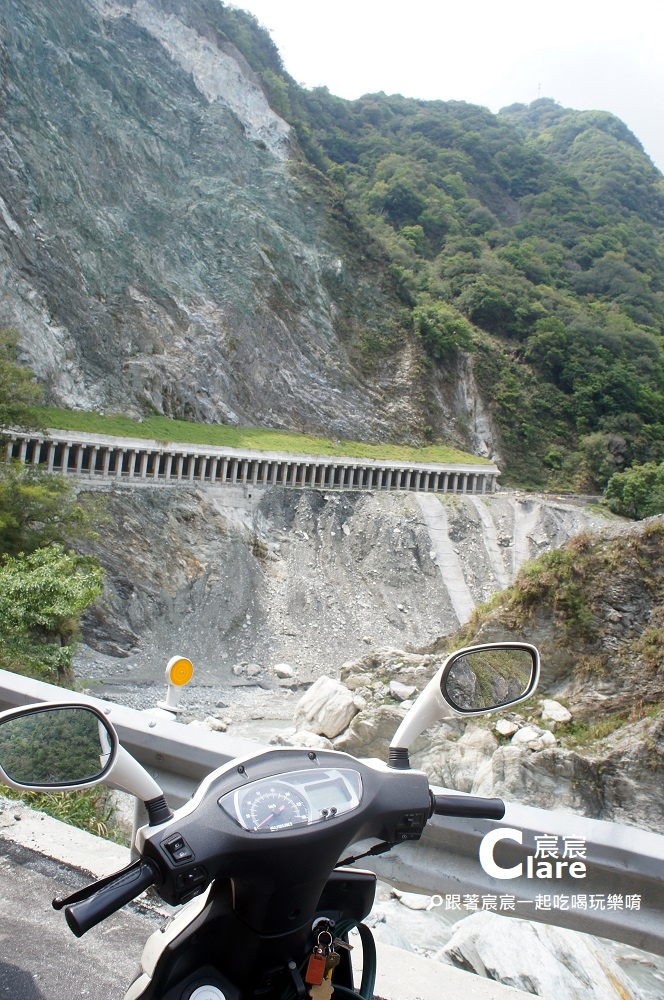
(84, 915)
(472, 806)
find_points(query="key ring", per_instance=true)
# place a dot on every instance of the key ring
(327, 944)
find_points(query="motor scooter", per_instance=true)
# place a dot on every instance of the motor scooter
(259, 856)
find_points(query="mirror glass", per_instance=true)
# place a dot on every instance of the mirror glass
(484, 679)
(54, 746)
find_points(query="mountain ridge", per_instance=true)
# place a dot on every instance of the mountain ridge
(188, 232)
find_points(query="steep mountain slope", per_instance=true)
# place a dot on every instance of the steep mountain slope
(308, 577)
(542, 227)
(163, 244)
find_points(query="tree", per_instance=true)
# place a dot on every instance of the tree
(415, 236)
(548, 347)
(42, 596)
(442, 329)
(19, 393)
(37, 509)
(638, 492)
(43, 588)
(402, 203)
(600, 455)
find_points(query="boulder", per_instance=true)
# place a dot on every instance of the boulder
(554, 711)
(371, 731)
(283, 670)
(216, 725)
(460, 763)
(305, 738)
(392, 664)
(551, 778)
(537, 958)
(402, 691)
(209, 723)
(525, 735)
(505, 727)
(534, 738)
(355, 681)
(326, 708)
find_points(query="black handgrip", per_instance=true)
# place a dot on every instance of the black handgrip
(467, 805)
(82, 916)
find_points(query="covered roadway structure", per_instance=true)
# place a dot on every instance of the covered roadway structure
(140, 461)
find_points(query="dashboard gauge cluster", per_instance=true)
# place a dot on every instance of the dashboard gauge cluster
(294, 798)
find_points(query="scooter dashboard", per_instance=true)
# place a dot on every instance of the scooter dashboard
(294, 798)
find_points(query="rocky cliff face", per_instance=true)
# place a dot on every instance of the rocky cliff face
(164, 247)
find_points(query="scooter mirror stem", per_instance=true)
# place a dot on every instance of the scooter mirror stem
(130, 776)
(158, 810)
(397, 757)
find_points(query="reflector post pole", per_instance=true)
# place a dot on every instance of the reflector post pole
(179, 671)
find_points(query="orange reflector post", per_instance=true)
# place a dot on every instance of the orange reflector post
(179, 671)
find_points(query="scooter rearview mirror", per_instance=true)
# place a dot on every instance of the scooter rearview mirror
(471, 681)
(59, 745)
(55, 746)
(482, 680)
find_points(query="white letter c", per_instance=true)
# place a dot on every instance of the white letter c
(486, 853)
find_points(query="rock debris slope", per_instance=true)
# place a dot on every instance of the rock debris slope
(310, 578)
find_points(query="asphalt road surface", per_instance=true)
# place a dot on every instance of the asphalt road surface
(40, 959)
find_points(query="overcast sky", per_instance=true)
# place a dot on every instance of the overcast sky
(582, 53)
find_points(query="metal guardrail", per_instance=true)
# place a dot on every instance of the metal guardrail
(625, 870)
(176, 755)
(621, 896)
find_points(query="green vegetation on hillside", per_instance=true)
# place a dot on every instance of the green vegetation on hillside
(19, 392)
(44, 588)
(594, 607)
(42, 596)
(37, 509)
(638, 492)
(560, 277)
(165, 429)
(533, 238)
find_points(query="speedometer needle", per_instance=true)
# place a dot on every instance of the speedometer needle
(271, 816)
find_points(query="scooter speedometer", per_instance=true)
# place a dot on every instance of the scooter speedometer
(273, 805)
(294, 798)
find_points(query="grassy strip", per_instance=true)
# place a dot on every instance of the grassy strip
(89, 809)
(583, 733)
(164, 429)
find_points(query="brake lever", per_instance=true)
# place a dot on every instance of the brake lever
(89, 890)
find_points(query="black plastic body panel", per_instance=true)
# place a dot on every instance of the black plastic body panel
(278, 875)
(217, 948)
